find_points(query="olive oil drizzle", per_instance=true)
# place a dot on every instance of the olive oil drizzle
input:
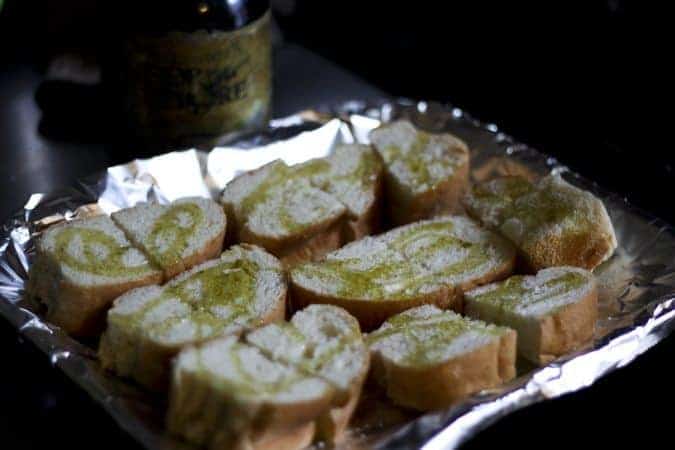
(393, 270)
(314, 363)
(263, 191)
(243, 383)
(423, 347)
(283, 180)
(330, 181)
(230, 284)
(517, 198)
(110, 264)
(168, 228)
(280, 181)
(412, 158)
(418, 161)
(512, 293)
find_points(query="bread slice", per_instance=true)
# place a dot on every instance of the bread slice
(552, 223)
(353, 174)
(426, 174)
(226, 394)
(323, 341)
(427, 359)
(178, 236)
(554, 312)
(80, 267)
(282, 212)
(428, 262)
(243, 289)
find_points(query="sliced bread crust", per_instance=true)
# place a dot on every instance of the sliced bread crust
(228, 394)
(552, 223)
(295, 213)
(554, 312)
(429, 262)
(313, 248)
(353, 174)
(301, 212)
(427, 359)
(323, 341)
(426, 174)
(281, 211)
(80, 267)
(178, 236)
(243, 289)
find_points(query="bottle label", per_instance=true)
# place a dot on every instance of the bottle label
(193, 86)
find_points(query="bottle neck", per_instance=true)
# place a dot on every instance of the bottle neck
(160, 16)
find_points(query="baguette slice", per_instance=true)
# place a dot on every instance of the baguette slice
(426, 174)
(80, 267)
(282, 212)
(428, 262)
(554, 312)
(427, 359)
(243, 289)
(552, 223)
(323, 341)
(353, 174)
(178, 236)
(226, 394)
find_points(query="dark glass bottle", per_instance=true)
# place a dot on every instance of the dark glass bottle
(194, 70)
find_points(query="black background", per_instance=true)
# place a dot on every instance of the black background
(585, 81)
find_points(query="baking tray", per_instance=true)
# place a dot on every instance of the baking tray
(637, 285)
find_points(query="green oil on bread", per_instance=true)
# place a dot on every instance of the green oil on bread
(392, 276)
(310, 361)
(280, 177)
(168, 229)
(317, 172)
(322, 175)
(273, 180)
(413, 158)
(279, 181)
(423, 348)
(512, 293)
(243, 384)
(545, 207)
(101, 254)
(425, 230)
(231, 285)
(370, 283)
(282, 181)
(311, 170)
(366, 168)
(516, 198)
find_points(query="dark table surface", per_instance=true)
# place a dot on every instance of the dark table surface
(40, 407)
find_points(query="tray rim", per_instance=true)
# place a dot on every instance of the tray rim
(661, 322)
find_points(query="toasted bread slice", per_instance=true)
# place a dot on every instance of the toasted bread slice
(427, 359)
(243, 289)
(426, 174)
(353, 174)
(80, 267)
(428, 262)
(552, 223)
(226, 394)
(324, 341)
(282, 212)
(178, 236)
(553, 312)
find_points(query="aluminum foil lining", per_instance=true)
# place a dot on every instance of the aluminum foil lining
(637, 295)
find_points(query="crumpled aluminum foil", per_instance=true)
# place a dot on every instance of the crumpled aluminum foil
(637, 295)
